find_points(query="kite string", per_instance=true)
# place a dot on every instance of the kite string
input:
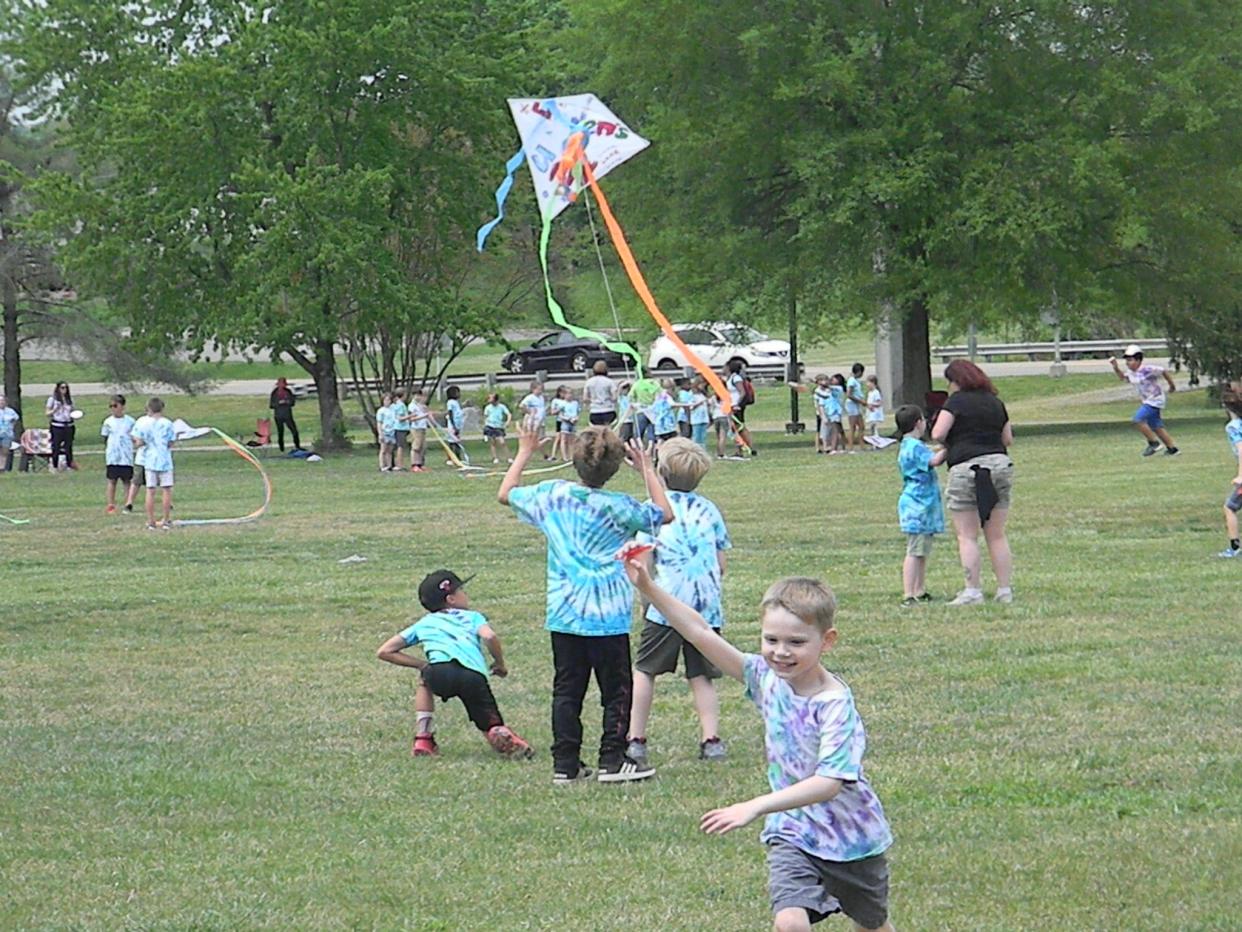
(604, 273)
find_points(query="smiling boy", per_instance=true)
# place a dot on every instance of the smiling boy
(825, 830)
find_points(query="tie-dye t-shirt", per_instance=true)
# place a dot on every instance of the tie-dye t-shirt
(157, 436)
(820, 735)
(119, 450)
(450, 634)
(853, 391)
(919, 509)
(588, 593)
(1233, 432)
(662, 414)
(685, 560)
(1146, 380)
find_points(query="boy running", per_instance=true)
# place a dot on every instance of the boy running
(1233, 503)
(1152, 398)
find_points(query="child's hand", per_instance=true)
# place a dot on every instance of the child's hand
(500, 670)
(639, 457)
(720, 821)
(635, 566)
(528, 439)
(1237, 480)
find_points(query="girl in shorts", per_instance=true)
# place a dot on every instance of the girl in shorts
(496, 418)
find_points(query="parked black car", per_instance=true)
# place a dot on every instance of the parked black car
(560, 351)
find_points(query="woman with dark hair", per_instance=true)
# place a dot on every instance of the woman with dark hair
(60, 416)
(974, 427)
(735, 381)
(281, 402)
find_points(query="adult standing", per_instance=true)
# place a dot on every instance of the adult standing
(735, 381)
(974, 427)
(599, 394)
(281, 401)
(9, 420)
(60, 416)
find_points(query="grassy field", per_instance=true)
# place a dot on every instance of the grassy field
(195, 733)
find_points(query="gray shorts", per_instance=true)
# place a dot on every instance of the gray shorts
(1234, 501)
(960, 495)
(659, 648)
(919, 545)
(797, 880)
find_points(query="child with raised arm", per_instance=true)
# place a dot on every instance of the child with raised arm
(452, 638)
(918, 509)
(589, 601)
(1149, 418)
(1233, 502)
(690, 561)
(825, 830)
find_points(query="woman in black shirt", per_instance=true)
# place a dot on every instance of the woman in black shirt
(974, 427)
(281, 402)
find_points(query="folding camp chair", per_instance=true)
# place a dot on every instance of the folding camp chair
(262, 434)
(36, 445)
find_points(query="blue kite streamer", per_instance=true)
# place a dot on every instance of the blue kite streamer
(511, 167)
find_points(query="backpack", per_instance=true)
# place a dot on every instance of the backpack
(748, 392)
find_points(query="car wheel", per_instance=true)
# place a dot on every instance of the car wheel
(667, 364)
(516, 364)
(578, 362)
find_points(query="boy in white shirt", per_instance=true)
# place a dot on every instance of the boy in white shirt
(1149, 418)
(155, 438)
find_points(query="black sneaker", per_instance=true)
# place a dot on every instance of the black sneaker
(1151, 448)
(624, 770)
(563, 778)
(925, 597)
(909, 601)
(1171, 451)
(129, 509)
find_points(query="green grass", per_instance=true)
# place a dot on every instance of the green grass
(194, 731)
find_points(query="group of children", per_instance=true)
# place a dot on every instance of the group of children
(848, 411)
(139, 452)
(825, 833)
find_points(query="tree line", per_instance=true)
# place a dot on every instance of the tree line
(307, 178)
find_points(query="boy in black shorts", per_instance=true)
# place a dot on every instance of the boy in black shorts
(118, 429)
(452, 638)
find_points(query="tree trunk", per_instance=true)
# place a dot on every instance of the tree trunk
(903, 355)
(12, 350)
(331, 419)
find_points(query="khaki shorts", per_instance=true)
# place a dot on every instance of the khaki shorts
(919, 545)
(960, 495)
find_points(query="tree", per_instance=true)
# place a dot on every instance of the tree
(282, 178)
(962, 160)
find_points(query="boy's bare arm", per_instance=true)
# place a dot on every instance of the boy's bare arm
(528, 442)
(1112, 361)
(492, 640)
(1168, 378)
(688, 623)
(640, 459)
(803, 793)
(391, 651)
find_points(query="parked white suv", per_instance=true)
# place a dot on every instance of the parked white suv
(717, 344)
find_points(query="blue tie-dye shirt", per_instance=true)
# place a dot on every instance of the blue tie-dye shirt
(663, 417)
(450, 634)
(588, 593)
(832, 403)
(157, 435)
(919, 508)
(1233, 431)
(820, 735)
(686, 563)
(119, 450)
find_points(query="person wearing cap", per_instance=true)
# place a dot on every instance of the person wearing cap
(1146, 380)
(452, 666)
(589, 600)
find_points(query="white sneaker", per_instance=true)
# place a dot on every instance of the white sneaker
(1004, 596)
(968, 597)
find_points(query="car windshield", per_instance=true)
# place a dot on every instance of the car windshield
(740, 334)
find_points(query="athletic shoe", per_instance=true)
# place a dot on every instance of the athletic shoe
(425, 746)
(712, 749)
(505, 741)
(562, 778)
(1004, 596)
(966, 597)
(924, 597)
(129, 509)
(637, 751)
(624, 770)
(1151, 448)
(166, 526)
(1172, 451)
(1229, 553)
(909, 601)
(152, 527)
(110, 510)
(495, 461)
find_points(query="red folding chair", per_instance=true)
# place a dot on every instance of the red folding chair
(36, 445)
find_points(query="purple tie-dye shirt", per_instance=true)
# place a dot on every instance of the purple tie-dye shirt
(820, 735)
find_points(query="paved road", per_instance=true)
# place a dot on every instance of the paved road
(262, 387)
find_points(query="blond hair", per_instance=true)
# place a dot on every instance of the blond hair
(597, 456)
(808, 599)
(683, 464)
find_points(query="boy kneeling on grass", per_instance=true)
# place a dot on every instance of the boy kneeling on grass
(825, 831)
(452, 638)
